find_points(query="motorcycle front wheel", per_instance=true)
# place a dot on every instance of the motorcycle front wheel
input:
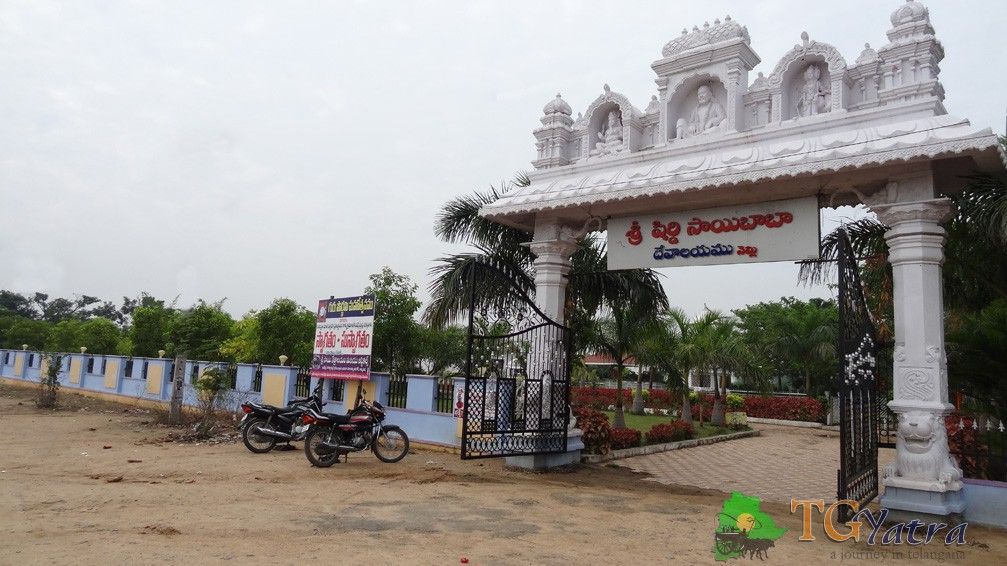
(391, 444)
(318, 453)
(254, 440)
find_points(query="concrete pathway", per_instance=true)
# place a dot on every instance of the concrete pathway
(783, 462)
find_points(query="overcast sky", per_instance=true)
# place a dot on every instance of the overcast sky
(253, 150)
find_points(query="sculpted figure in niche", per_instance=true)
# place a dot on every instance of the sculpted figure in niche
(813, 96)
(708, 116)
(609, 135)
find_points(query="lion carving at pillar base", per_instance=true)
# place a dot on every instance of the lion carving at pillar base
(922, 453)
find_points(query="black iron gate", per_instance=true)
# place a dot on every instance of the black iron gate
(857, 387)
(517, 394)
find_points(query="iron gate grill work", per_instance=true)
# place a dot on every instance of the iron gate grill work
(857, 388)
(517, 394)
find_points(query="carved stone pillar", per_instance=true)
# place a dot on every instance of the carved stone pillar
(924, 478)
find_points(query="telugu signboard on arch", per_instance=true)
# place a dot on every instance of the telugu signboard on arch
(783, 230)
(343, 336)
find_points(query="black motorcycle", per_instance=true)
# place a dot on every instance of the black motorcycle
(263, 426)
(333, 435)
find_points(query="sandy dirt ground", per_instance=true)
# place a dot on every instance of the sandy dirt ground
(94, 483)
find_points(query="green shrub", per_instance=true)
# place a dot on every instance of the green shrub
(735, 402)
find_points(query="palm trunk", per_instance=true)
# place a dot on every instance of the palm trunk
(619, 421)
(638, 396)
(717, 416)
(686, 408)
(650, 386)
(807, 382)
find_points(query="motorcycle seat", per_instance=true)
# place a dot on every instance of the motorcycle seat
(273, 409)
(338, 418)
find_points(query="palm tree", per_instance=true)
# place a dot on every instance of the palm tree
(698, 343)
(618, 335)
(660, 350)
(592, 285)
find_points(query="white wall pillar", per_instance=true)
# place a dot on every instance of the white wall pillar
(924, 478)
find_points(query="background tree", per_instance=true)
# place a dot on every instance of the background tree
(794, 338)
(99, 336)
(243, 345)
(442, 350)
(16, 331)
(396, 333)
(201, 331)
(65, 336)
(285, 328)
(151, 328)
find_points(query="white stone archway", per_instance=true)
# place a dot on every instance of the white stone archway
(882, 137)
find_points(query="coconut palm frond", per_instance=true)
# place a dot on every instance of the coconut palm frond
(984, 205)
(593, 286)
(459, 221)
(451, 289)
(867, 237)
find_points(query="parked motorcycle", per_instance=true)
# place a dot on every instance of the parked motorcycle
(263, 426)
(333, 435)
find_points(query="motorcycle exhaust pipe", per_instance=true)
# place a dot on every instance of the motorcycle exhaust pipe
(274, 433)
(346, 447)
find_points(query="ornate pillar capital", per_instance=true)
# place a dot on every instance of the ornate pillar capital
(932, 211)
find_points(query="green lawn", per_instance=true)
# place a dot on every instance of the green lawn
(643, 423)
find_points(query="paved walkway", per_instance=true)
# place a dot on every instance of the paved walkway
(783, 462)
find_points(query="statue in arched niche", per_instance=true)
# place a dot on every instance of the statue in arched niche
(813, 95)
(708, 116)
(609, 134)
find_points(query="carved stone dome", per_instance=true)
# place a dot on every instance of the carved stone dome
(910, 12)
(707, 35)
(557, 106)
(868, 55)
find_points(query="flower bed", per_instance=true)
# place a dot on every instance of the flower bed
(625, 438)
(670, 432)
(783, 407)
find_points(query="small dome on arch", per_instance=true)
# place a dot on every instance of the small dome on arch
(910, 12)
(557, 106)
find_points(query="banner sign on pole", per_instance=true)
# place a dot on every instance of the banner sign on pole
(343, 336)
(783, 230)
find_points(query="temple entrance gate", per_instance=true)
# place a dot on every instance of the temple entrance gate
(872, 130)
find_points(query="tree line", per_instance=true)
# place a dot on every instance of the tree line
(205, 331)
